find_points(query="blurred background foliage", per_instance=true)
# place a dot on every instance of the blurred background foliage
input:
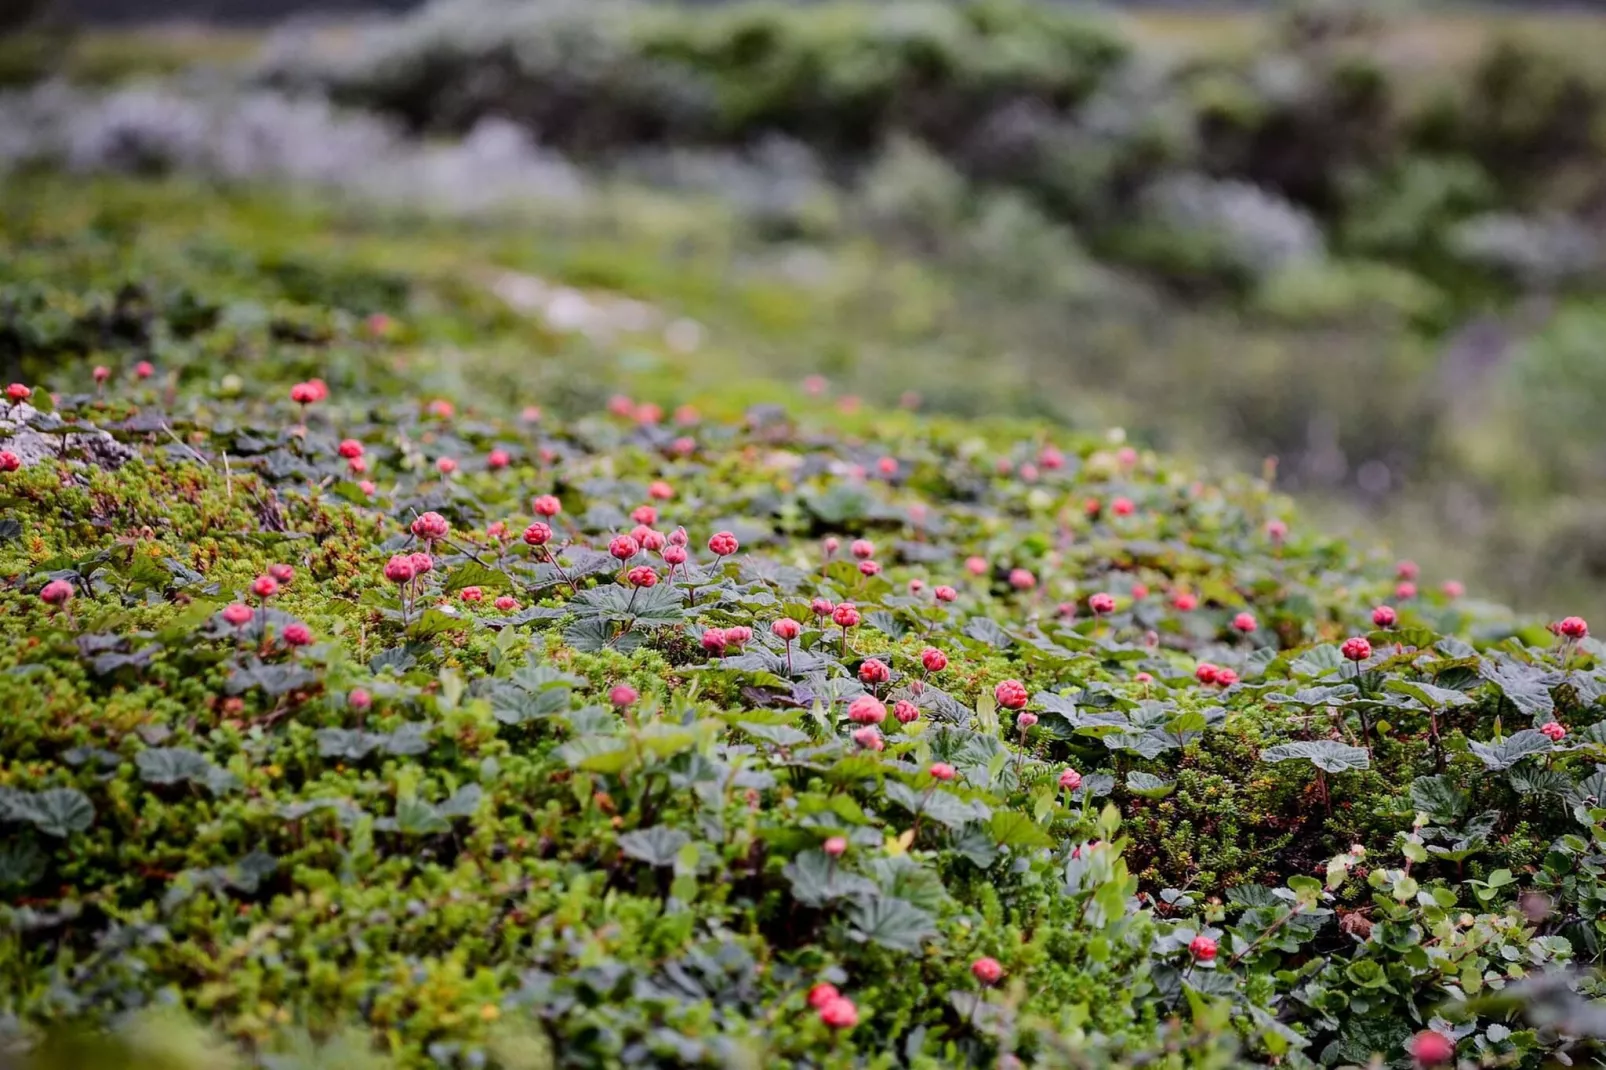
(1368, 241)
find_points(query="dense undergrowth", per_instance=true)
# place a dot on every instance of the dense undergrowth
(1071, 755)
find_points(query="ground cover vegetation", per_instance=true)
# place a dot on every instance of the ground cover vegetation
(389, 674)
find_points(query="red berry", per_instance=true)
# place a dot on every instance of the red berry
(265, 587)
(359, 699)
(987, 970)
(56, 592)
(839, 1013)
(867, 710)
(1011, 694)
(547, 505)
(1555, 732)
(1202, 948)
(723, 544)
(786, 629)
(874, 672)
(933, 659)
(623, 547)
(623, 695)
(1122, 507)
(738, 635)
(942, 771)
(1226, 677)
(714, 640)
(1101, 603)
(350, 447)
(144, 370)
(446, 466)
(9, 462)
(1245, 622)
(1140, 591)
(1432, 1048)
(1070, 780)
(642, 576)
(1356, 648)
(102, 373)
(1384, 616)
(237, 614)
(1184, 602)
(675, 555)
(905, 711)
(297, 634)
(471, 594)
(1573, 627)
(498, 459)
(17, 392)
(506, 603)
(538, 534)
(821, 994)
(846, 615)
(1206, 672)
(430, 526)
(303, 393)
(422, 563)
(399, 569)
(282, 573)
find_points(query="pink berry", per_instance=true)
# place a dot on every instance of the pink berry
(471, 594)
(1384, 616)
(350, 448)
(723, 544)
(422, 564)
(1026, 719)
(869, 737)
(446, 466)
(660, 491)
(430, 526)
(1245, 622)
(1206, 672)
(144, 370)
(547, 505)
(1276, 530)
(1051, 458)
(1453, 589)
(9, 462)
(1070, 780)
(441, 408)
(862, 548)
(867, 710)
(821, 994)
(538, 534)
(368, 488)
(987, 970)
(237, 614)
(56, 592)
(644, 514)
(264, 586)
(933, 659)
(1432, 1048)
(1202, 948)
(17, 392)
(506, 603)
(1226, 677)
(498, 459)
(1021, 579)
(1407, 570)
(1184, 602)
(102, 373)
(874, 672)
(822, 607)
(738, 635)
(831, 544)
(786, 629)
(976, 566)
(623, 547)
(399, 569)
(1140, 591)
(675, 555)
(1356, 648)
(713, 640)
(1554, 731)
(945, 593)
(942, 771)
(1405, 590)
(1122, 507)
(1101, 603)
(623, 695)
(642, 576)
(283, 573)
(839, 1013)
(303, 393)
(297, 634)
(359, 699)
(905, 711)
(1010, 694)
(678, 537)
(870, 568)
(1573, 627)
(846, 615)
(836, 846)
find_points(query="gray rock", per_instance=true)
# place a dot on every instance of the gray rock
(36, 436)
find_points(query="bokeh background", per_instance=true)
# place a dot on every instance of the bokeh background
(1361, 247)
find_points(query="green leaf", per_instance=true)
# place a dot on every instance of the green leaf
(1148, 785)
(891, 923)
(474, 574)
(656, 846)
(58, 812)
(781, 735)
(817, 879)
(1326, 754)
(435, 622)
(1014, 829)
(1514, 748)
(1439, 798)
